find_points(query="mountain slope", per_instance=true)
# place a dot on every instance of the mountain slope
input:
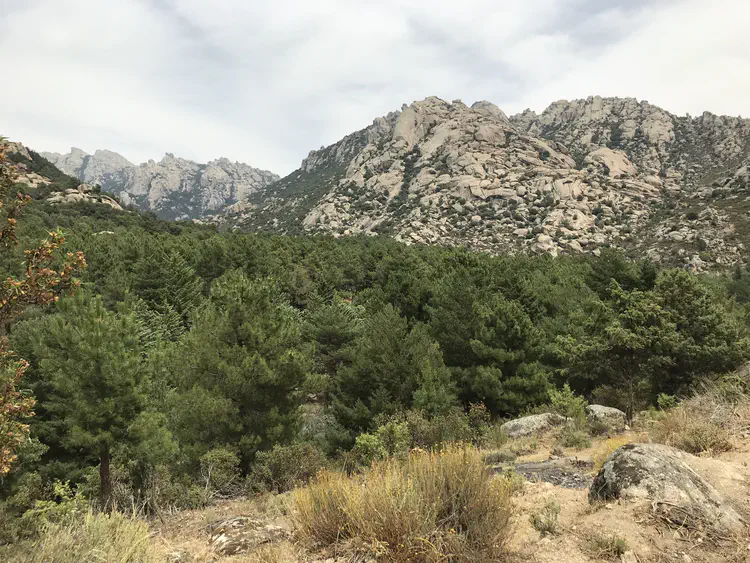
(174, 188)
(43, 181)
(583, 175)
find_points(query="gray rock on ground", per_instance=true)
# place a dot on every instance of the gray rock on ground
(663, 475)
(530, 425)
(614, 418)
(243, 534)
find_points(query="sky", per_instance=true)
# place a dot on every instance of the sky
(266, 82)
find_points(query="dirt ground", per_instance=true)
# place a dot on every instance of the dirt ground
(585, 532)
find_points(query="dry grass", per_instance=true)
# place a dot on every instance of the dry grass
(688, 429)
(97, 537)
(547, 520)
(607, 448)
(522, 446)
(432, 507)
(603, 546)
(278, 553)
(710, 420)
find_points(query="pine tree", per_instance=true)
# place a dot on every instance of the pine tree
(391, 365)
(167, 282)
(332, 327)
(436, 392)
(709, 339)
(241, 365)
(489, 342)
(92, 358)
(629, 352)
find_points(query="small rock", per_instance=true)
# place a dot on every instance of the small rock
(243, 534)
(179, 557)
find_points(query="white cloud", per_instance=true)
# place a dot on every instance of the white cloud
(265, 82)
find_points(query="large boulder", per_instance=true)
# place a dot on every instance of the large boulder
(662, 475)
(613, 418)
(616, 162)
(531, 425)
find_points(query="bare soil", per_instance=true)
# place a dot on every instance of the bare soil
(561, 478)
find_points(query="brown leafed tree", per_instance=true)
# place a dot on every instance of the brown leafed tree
(40, 283)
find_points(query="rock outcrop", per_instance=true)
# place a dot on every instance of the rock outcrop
(581, 176)
(663, 475)
(532, 425)
(88, 168)
(243, 535)
(174, 188)
(54, 189)
(84, 193)
(614, 419)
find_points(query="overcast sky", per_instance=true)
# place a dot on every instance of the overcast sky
(265, 82)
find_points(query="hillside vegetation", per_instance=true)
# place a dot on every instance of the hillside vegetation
(191, 366)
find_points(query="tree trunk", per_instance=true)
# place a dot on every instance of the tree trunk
(631, 403)
(105, 480)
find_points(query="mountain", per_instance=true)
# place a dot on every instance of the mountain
(174, 188)
(43, 181)
(581, 176)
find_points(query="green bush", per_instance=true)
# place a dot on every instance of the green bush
(501, 456)
(220, 471)
(11, 529)
(666, 402)
(547, 520)
(369, 448)
(426, 433)
(64, 507)
(575, 437)
(479, 422)
(395, 438)
(284, 467)
(604, 546)
(326, 433)
(598, 428)
(566, 403)
(496, 437)
(26, 491)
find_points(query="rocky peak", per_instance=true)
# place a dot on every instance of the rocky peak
(174, 187)
(578, 177)
(490, 108)
(88, 168)
(680, 148)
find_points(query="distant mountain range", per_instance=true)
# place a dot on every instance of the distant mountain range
(581, 176)
(174, 188)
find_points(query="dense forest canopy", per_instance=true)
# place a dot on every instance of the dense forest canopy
(189, 352)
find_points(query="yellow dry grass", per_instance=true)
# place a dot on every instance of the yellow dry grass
(606, 448)
(437, 506)
(97, 537)
(690, 430)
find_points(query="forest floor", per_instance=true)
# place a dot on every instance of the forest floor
(583, 532)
